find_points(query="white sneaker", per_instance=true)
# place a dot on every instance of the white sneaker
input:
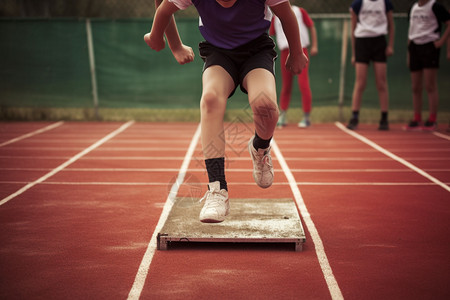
(282, 119)
(262, 165)
(216, 206)
(304, 123)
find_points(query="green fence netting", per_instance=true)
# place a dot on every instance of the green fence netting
(46, 63)
(130, 74)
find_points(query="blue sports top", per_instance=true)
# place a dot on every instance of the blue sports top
(231, 27)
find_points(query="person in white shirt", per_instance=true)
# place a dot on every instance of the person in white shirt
(424, 43)
(372, 20)
(305, 24)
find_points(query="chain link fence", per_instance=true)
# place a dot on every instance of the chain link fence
(119, 9)
(112, 68)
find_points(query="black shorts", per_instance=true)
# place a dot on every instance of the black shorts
(424, 56)
(370, 49)
(238, 62)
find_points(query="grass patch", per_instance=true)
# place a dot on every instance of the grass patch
(322, 114)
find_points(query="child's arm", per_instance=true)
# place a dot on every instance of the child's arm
(439, 43)
(448, 49)
(312, 31)
(306, 19)
(297, 60)
(407, 53)
(391, 33)
(448, 46)
(354, 20)
(164, 22)
(314, 49)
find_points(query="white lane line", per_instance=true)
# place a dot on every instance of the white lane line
(444, 136)
(182, 149)
(240, 183)
(68, 162)
(229, 169)
(317, 150)
(332, 284)
(393, 156)
(230, 159)
(49, 127)
(106, 149)
(142, 272)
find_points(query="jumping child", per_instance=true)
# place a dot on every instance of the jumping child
(237, 51)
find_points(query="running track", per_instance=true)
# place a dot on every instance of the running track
(80, 204)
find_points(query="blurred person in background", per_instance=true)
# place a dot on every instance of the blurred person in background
(305, 23)
(371, 21)
(424, 44)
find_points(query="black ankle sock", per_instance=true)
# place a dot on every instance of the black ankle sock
(384, 115)
(216, 171)
(259, 143)
(355, 114)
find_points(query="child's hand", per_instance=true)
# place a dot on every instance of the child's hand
(438, 44)
(296, 63)
(389, 51)
(183, 54)
(313, 51)
(155, 44)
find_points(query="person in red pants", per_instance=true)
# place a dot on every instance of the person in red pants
(305, 23)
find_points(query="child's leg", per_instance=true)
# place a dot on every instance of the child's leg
(382, 86)
(417, 88)
(383, 93)
(286, 81)
(358, 89)
(305, 89)
(360, 85)
(217, 86)
(430, 80)
(262, 95)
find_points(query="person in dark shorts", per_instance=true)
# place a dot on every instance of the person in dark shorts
(424, 43)
(237, 51)
(372, 20)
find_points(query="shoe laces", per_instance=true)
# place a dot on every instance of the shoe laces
(263, 160)
(212, 199)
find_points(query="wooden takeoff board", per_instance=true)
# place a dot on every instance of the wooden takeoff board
(249, 221)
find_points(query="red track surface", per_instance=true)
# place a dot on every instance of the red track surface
(88, 203)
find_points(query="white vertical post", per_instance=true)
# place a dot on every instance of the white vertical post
(92, 66)
(343, 64)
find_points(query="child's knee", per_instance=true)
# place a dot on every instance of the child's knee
(265, 107)
(211, 102)
(417, 88)
(382, 87)
(431, 87)
(360, 85)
